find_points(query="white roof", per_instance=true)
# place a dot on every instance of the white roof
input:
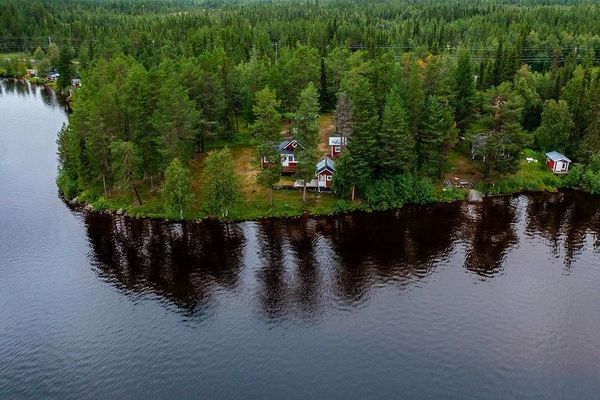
(556, 156)
(336, 141)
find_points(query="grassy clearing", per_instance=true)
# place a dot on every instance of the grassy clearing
(254, 203)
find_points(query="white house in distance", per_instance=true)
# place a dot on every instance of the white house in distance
(557, 162)
(336, 144)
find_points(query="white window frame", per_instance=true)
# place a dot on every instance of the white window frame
(337, 149)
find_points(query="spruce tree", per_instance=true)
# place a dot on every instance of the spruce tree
(463, 92)
(397, 152)
(436, 137)
(306, 132)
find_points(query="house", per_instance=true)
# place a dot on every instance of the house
(323, 179)
(53, 76)
(76, 82)
(557, 162)
(286, 150)
(324, 173)
(336, 144)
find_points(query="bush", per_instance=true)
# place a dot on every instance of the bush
(450, 195)
(101, 204)
(384, 194)
(67, 185)
(574, 178)
(343, 206)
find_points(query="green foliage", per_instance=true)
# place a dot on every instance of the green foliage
(397, 148)
(177, 189)
(436, 137)
(388, 193)
(220, 185)
(342, 207)
(306, 131)
(67, 185)
(266, 130)
(497, 137)
(126, 163)
(557, 125)
(463, 91)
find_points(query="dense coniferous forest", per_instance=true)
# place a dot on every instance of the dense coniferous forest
(420, 89)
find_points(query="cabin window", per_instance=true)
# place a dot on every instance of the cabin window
(329, 177)
(291, 158)
(321, 178)
(337, 149)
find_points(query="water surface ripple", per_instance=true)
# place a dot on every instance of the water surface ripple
(492, 301)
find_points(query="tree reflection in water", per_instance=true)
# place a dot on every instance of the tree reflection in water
(300, 268)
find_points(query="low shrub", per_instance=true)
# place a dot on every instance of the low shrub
(67, 185)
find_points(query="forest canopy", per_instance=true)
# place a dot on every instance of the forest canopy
(413, 81)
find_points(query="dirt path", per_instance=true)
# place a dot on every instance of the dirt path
(326, 129)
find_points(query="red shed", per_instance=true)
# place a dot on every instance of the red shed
(557, 162)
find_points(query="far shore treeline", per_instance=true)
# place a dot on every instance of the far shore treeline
(173, 92)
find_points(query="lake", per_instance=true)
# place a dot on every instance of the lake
(492, 301)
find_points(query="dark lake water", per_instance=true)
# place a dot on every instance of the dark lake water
(493, 301)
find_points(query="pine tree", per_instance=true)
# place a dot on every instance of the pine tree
(397, 152)
(266, 130)
(436, 137)
(590, 144)
(175, 119)
(415, 101)
(65, 67)
(126, 163)
(365, 123)
(463, 92)
(306, 132)
(497, 136)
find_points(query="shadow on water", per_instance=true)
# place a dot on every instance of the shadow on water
(25, 88)
(302, 266)
(184, 263)
(565, 220)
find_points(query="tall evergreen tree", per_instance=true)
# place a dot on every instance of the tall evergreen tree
(397, 152)
(306, 132)
(175, 119)
(415, 101)
(65, 67)
(126, 163)
(497, 136)
(365, 123)
(266, 130)
(463, 92)
(436, 138)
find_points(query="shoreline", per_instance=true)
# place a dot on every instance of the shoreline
(86, 207)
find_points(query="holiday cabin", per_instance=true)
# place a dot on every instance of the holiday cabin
(324, 173)
(286, 149)
(557, 162)
(336, 143)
